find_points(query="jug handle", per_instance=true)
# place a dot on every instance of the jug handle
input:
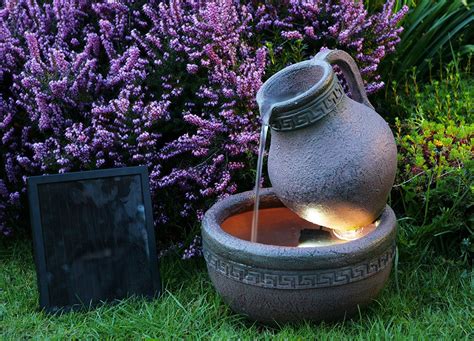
(350, 71)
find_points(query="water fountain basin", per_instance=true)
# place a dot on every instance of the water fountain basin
(274, 283)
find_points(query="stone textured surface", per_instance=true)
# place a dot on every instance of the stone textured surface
(312, 112)
(288, 280)
(271, 306)
(280, 284)
(336, 171)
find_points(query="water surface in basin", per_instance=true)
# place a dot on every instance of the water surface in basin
(281, 226)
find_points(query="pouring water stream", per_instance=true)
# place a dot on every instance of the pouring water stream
(261, 152)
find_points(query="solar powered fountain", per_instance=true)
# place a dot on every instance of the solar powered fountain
(319, 243)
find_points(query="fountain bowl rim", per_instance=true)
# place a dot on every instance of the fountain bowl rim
(282, 257)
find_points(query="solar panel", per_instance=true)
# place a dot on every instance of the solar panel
(93, 237)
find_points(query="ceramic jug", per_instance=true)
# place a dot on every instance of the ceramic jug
(332, 158)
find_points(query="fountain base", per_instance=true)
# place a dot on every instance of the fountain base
(275, 283)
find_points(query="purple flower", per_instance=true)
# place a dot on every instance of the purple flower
(291, 35)
(194, 249)
(192, 68)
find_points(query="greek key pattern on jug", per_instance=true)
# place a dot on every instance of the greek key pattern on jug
(279, 279)
(312, 112)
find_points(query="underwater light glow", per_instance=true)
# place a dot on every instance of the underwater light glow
(350, 234)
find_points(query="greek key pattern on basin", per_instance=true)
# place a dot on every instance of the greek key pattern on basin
(278, 279)
(311, 113)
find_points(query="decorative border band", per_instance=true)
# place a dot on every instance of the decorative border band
(313, 111)
(298, 279)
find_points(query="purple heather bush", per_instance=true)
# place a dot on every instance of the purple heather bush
(166, 84)
(343, 24)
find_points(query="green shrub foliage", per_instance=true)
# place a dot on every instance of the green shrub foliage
(446, 96)
(433, 194)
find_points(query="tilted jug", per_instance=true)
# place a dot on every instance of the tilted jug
(332, 158)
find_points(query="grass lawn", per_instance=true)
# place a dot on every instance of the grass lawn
(432, 301)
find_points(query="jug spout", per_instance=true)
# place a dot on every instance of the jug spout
(299, 95)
